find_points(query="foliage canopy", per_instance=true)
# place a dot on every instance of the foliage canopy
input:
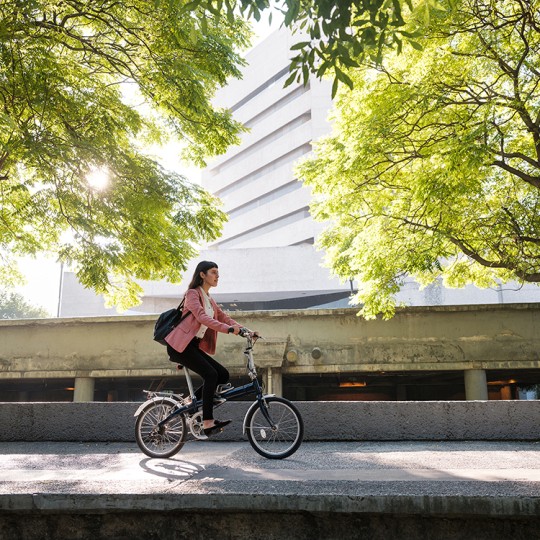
(338, 34)
(65, 112)
(14, 306)
(433, 168)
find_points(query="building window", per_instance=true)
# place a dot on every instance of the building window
(296, 93)
(265, 199)
(261, 88)
(265, 141)
(242, 182)
(265, 228)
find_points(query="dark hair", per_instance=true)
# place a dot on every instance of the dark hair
(203, 266)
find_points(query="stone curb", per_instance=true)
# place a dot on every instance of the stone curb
(324, 421)
(461, 506)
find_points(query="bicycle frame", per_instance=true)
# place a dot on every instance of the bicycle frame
(273, 425)
(253, 387)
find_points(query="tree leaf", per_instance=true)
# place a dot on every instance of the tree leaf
(335, 87)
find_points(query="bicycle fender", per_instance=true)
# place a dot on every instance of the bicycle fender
(253, 405)
(157, 398)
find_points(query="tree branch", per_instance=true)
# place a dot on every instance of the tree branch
(532, 180)
(532, 277)
(518, 155)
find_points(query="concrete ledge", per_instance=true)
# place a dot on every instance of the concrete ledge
(245, 523)
(457, 506)
(324, 421)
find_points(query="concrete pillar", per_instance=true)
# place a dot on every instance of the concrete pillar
(274, 381)
(475, 385)
(84, 389)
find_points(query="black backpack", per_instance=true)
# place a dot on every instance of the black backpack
(167, 322)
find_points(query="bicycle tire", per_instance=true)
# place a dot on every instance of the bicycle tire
(285, 438)
(161, 442)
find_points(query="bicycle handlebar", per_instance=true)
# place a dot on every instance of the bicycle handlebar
(246, 333)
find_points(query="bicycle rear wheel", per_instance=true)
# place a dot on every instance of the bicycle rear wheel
(281, 440)
(156, 441)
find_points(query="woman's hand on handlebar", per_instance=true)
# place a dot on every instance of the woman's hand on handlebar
(244, 332)
(241, 331)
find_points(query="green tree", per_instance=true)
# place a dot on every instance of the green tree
(14, 306)
(338, 33)
(433, 168)
(65, 113)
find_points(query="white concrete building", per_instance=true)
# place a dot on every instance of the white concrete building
(267, 244)
(267, 206)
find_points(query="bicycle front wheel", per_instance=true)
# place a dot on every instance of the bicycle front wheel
(156, 441)
(279, 438)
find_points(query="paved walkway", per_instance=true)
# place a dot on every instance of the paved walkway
(509, 469)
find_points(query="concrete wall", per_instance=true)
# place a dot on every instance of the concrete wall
(328, 421)
(297, 342)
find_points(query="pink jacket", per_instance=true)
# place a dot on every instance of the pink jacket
(180, 337)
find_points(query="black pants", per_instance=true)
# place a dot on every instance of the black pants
(211, 371)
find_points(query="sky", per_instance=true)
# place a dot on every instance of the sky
(42, 286)
(43, 283)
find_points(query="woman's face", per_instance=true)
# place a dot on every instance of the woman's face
(211, 277)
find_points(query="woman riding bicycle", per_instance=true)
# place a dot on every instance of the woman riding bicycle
(194, 339)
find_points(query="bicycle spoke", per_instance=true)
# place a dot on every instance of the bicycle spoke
(156, 439)
(279, 437)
